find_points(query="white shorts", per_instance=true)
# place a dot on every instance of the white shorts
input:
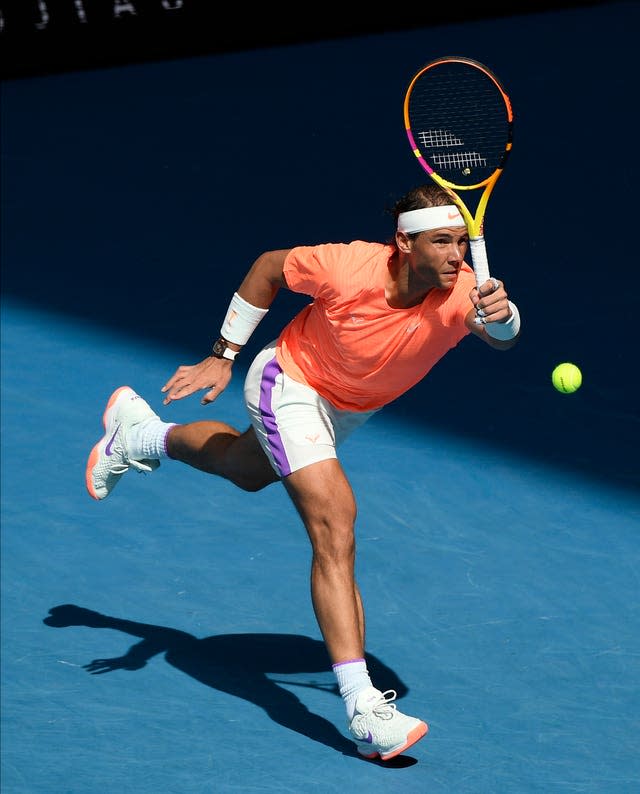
(294, 424)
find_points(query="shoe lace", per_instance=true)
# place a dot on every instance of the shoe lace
(139, 465)
(385, 708)
(119, 468)
(142, 466)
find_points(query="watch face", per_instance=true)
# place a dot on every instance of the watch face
(218, 348)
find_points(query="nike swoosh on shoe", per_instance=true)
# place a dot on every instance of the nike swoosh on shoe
(108, 449)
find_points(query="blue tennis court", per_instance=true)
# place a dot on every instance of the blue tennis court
(164, 640)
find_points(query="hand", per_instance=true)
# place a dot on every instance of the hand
(102, 666)
(491, 302)
(213, 374)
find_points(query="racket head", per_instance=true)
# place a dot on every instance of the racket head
(459, 122)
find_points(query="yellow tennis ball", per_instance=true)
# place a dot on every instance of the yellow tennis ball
(567, 378)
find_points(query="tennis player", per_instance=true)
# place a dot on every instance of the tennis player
(382, 315)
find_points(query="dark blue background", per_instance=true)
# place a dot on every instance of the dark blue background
(501, 590)
(139, 196)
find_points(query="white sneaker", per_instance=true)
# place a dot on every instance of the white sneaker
(380, 729)
(109, 460)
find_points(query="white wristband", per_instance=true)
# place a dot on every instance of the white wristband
(507, 330)
(241, 320)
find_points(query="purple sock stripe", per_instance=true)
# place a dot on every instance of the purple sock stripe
(269, 374)
(349, 661)
(166, 436)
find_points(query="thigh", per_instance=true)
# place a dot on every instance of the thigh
(246, 463)
(323, 497)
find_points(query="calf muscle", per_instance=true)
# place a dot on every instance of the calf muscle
(217, 448)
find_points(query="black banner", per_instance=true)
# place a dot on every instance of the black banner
(40, 36)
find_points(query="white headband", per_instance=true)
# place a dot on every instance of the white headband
(429, 218)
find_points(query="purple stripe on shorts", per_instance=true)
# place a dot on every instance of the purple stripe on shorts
(269, 375)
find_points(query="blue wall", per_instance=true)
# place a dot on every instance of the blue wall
(126, 192)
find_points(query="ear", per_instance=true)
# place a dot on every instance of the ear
(403, 242)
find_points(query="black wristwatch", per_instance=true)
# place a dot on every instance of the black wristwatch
(221, 349)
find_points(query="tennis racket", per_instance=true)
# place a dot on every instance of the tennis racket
(459, 122)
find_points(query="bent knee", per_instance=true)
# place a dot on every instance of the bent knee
(246, 464)
(253, 482)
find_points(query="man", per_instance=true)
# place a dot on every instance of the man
(382, 315)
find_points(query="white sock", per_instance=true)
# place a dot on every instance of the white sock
(353, 677)
(148, 440)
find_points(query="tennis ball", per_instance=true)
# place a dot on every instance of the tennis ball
(567, 378)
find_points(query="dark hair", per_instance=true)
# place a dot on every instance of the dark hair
(429, 195)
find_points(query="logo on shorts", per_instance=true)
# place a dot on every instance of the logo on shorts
(313, 438)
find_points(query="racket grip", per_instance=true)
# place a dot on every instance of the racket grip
(479, 260)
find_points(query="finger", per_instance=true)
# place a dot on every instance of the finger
(178, 393)
(491, 312)
(170, 383)
(211, 395)
(179, 374)
(489, 287)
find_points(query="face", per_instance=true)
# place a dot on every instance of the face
(435, 257)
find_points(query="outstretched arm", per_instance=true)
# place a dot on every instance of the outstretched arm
(256, 292)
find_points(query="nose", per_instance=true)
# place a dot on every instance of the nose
(455, 253)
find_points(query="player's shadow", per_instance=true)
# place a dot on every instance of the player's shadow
(238, 664)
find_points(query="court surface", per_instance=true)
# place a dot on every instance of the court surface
(163, 640)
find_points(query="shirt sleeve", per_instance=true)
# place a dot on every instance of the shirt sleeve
(311, 269)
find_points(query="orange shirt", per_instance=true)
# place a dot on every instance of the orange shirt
(349, 344)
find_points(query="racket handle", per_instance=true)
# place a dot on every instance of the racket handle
(479, 260)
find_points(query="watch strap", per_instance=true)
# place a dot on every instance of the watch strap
(221, 349)
(230, 354)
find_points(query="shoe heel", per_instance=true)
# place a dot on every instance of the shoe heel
(111, 402)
